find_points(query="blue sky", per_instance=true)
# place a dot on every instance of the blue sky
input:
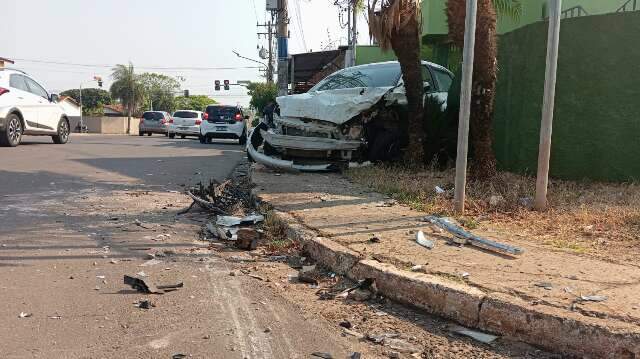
(160, 33)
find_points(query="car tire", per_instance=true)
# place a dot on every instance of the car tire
(12, 133)
(63, 132)
(243, 138)
(183, 136)
(140, 133)
(172, 135)
(148, 133)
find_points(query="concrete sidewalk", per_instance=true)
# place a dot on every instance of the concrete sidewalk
(541, 283)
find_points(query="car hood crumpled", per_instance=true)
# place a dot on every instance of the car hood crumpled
(336, 106)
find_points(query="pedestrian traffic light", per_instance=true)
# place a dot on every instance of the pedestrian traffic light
(226, 85)
(186, 93)
(217, 85)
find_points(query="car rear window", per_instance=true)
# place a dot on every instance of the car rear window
(185, 114)
(386, 75)
(225, 111)
(153, 116)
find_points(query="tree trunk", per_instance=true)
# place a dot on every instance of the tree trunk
(406, 46)
(129, 120)
(483, 165)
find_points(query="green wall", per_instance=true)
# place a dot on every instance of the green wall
(596, 132)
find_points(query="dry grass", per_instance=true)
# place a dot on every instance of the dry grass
(276, 239)
(583, 216)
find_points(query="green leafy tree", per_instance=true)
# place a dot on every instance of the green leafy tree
(261, 93)
(92, 99)
(195, 103)
(128, 88)
(159, 91)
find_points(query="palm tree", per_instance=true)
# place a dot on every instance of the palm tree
(484, 74)
(128, 88)
(397, 25)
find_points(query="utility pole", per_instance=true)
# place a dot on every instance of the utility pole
(269, 34)
(544, 153)
(354, 32)
(283, 47)
(465, 105)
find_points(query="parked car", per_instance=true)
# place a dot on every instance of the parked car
(353, 115)
(26, 108)
(224, 122)
(185, 123)
(154, 122)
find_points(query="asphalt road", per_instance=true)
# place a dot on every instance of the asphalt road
(68, 234)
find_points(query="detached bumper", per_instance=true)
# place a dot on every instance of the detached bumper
(308, 143)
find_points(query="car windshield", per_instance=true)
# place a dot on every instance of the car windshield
(221, 111)
(152, 116)
(386, 75)
(185, 114)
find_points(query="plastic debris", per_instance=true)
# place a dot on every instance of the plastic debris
(440, 190)
(474, 334)
(230, 221)
(143, 286)
(423, 241)
(322, 355)
(472, 239)
(593, 298)
(24, 315)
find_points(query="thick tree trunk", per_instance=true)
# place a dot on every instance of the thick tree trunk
(483, 165)
(406, 46)
(129, 120)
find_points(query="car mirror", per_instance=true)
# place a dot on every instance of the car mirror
(54, 98)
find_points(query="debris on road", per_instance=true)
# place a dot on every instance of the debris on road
(145, 304)
(24, 315)
(401, 345)
(345, 324)
(308, 274)
(423, 241)
(240, 259)
(355, 355)
(143, 286)
(359, 295)
(472, 239)
(418, 268)
(322, 355)
(374, 239)
(593, 298)
(230, 221)
(247, 238)
(474, 334)
(545, 285)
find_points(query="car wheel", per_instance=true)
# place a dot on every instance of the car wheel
(140, 133)
(12, 133)
(183, 136)
(63, 132)
(172, 135)
(148, 133)
(384, 147)
(243, 138)
(201, 138)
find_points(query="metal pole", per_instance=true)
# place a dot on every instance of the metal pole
(544, 154)
(354, 34)
(81, 119)
(283, 48)
(465, 105)
(270, 68)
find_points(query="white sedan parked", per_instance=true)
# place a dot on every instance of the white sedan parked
(26, 108)
(185, 123)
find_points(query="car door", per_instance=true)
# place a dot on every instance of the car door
(48, 112)
(27, 102)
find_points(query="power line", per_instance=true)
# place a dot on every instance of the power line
(140, 67)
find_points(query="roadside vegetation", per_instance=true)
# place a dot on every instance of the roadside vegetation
(584, 217)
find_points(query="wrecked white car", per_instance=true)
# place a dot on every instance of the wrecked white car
(355, 115)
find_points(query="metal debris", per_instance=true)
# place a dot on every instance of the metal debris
(143, 286)
(472, 239)
(423, 241)
(474, 334)
(322, 355)
(145, 304)
(24, 315)
(593, 298)
(230, 221)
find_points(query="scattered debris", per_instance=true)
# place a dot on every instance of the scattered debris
(257, 277)
(55, 317)
(247, 239)
(359, 295)
(465, 275)
(472, 239)
(355, 355)
(145, 304)
(178, 356)
(379, 338)
(151, 262)
(308, 274)
(401, 345)
(141, 285)
(322, 355)
(418, 268)
(474, 334)
(495, 200)
(140, 224)
(345, 324)
(423, 241)
(593, 298)
(353, 333)
(374, 239)
(545, 285)
(24, 315)
(229, 221)
(526, 202)
(440, 190)
(240, 259)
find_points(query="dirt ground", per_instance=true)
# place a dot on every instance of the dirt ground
(352, 215)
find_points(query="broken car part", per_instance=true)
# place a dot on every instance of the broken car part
(472, 239)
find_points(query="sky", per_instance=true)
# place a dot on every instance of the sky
(156, 36)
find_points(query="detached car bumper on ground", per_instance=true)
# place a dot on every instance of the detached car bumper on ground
(355, 115)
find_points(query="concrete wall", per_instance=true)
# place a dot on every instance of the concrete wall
(596, 129)
(111, 125)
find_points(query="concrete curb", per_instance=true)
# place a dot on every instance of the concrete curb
(550, 328)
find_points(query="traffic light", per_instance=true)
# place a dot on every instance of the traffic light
(186, 93)
(99, 79)
(217, 85)
(226, 85)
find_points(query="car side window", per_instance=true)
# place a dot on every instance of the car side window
(426, 77)
(17, 81)
(444, 79)
(36, 89)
